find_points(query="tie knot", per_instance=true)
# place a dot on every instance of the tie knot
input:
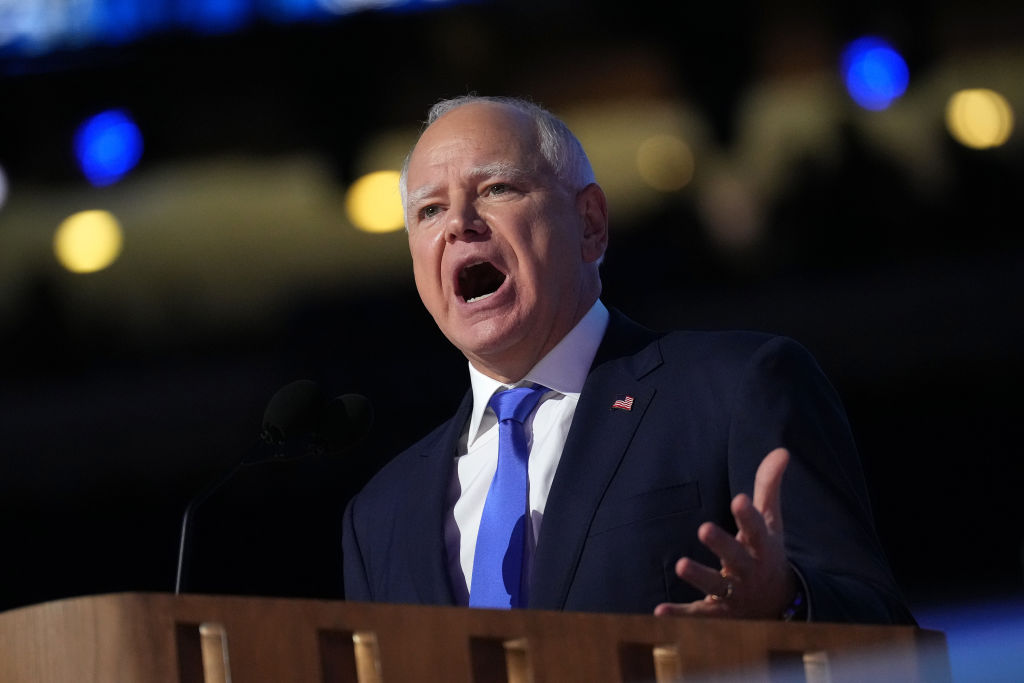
(516, 404)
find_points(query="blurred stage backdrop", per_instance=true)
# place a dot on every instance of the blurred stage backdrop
(197, 206)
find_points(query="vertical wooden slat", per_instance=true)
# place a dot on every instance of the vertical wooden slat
(668, 667)
(517, 661)
(816, 667)
(214, 641)
(368, 664)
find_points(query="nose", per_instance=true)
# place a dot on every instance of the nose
(463, 222)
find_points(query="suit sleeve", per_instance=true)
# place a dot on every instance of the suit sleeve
(784, 399)
(357, 585)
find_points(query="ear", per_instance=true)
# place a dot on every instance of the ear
(592, 207)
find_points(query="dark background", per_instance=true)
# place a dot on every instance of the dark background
(911, 301)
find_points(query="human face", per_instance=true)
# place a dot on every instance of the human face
(504, 255)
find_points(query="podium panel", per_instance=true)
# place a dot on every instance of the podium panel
(158, 638)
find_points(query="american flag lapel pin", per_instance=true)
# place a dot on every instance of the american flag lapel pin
(623, 403)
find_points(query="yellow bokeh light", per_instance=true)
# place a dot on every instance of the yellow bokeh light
(88, 241)
(373, 203)
(979, 118)
(665, 163)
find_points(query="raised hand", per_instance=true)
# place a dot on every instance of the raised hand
(755, 581)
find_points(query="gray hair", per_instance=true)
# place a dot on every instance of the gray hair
(558, 146)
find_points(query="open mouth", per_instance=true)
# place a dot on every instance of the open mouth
(479, 281)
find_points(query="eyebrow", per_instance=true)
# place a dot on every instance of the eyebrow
(498, 168)
(419, 194)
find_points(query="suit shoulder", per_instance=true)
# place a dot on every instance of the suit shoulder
(735, 345)
(732, 352)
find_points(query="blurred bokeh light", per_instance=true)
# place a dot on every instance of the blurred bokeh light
(665, 163)
(108, 146)
(373, 203)
(37, 27)
(875, 74)
(979, 118)
(88, 241)
(217, 16)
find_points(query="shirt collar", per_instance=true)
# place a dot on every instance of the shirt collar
(564, 369)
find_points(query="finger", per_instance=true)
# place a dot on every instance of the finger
(753, 531)
(699, 608)
(731, 552)
(768, 488)
(703, 578)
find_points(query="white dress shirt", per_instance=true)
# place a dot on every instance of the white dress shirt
(563, 371)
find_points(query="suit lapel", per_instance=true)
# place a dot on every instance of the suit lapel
(425, 546)
(597, 440)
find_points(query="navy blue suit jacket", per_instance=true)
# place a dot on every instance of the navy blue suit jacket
(633, 486)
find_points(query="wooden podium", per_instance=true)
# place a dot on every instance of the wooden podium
(158, 638)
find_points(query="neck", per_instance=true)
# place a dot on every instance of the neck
(514, 365)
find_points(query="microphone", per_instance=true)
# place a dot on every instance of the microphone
(293, 411)
(344, 422)
(298, 409)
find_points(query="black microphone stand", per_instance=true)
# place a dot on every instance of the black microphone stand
(186, 523)
(297, 409)
(263, 451)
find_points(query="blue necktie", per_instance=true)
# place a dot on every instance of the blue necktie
(498, 559)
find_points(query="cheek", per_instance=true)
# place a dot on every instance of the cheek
(426, 266)
(424, 252)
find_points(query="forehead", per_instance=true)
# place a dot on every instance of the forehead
(474, 134)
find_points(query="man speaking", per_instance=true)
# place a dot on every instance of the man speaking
(595, 465)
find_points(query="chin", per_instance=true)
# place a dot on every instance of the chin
(489, 345)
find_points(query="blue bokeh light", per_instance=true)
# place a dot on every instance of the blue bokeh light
(33, 28)
(875, 74)
(295, 10)
(215, 16)
(114, 22)
(107, 146)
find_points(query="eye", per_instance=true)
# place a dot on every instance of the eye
(498, 189)
(429, 211)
